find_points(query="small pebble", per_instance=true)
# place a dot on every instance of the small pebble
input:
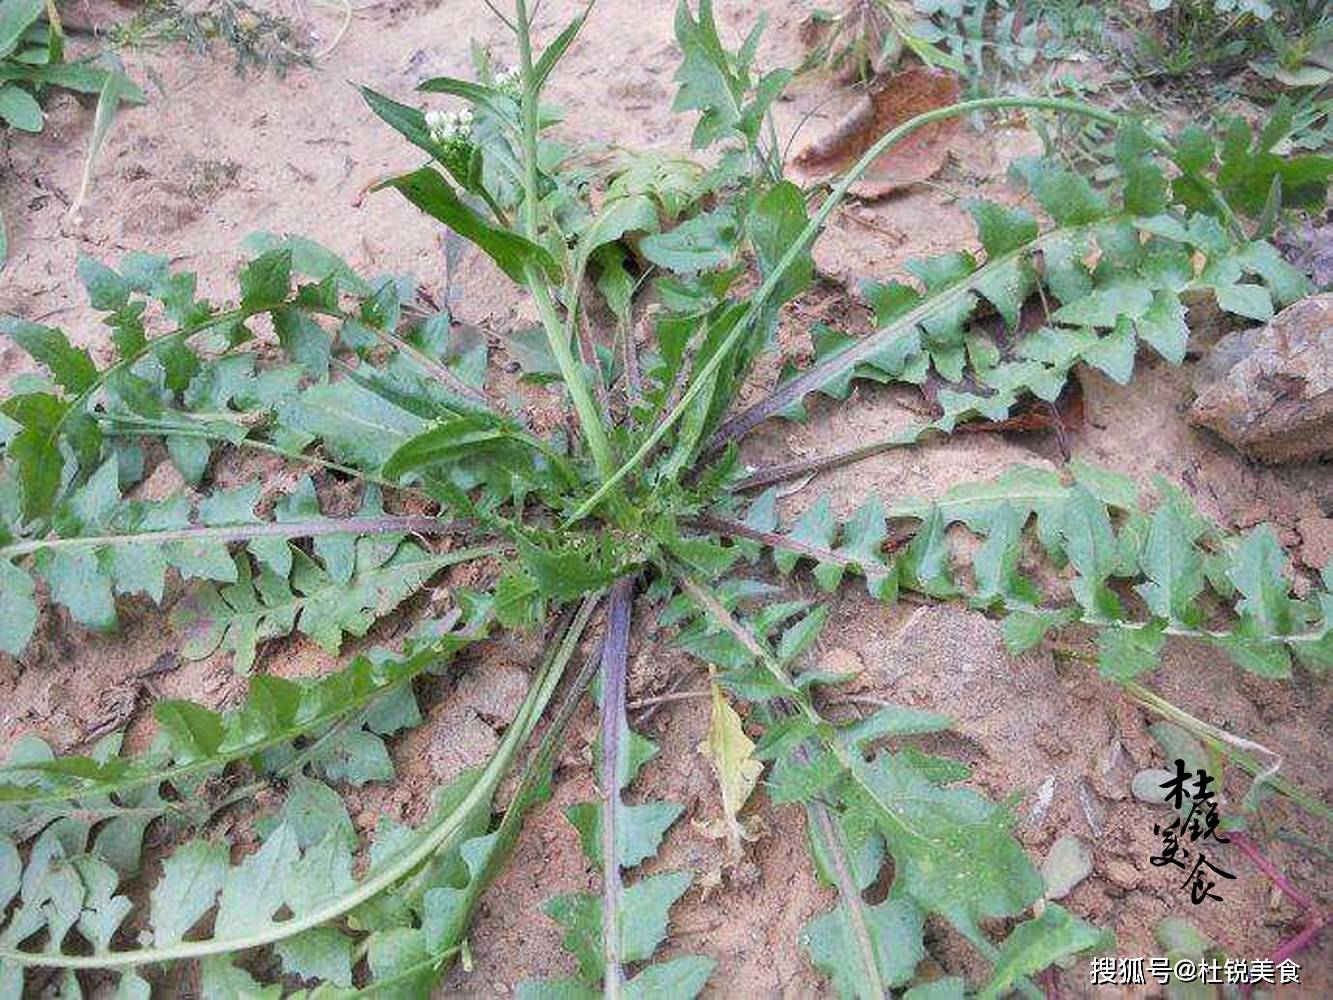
(1068, 863)
(1121, 873)
(1147, 786)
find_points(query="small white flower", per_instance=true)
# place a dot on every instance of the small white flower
(510, 82)
(449, 127)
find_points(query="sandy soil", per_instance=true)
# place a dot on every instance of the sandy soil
(214, 156)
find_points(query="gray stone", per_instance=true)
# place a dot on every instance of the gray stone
(1147, 786)
(1269, 391)
(1067, 864)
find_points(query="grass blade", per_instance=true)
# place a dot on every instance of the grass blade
(117, 89)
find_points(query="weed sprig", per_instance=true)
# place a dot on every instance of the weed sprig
(645, 503)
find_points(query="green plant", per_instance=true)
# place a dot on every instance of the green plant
(32, 62)
(991, 40)
(259, 39)
(1287, 40)
(646, 504)
(868, 38)
(1300, 46)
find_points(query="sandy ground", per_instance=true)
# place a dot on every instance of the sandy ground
(214, 156)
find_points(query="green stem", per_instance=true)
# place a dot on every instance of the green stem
(535, 280)
(438, 833)
(138, 775)
(238, 315)
(442, 374)
(802, 242)
(130, 426)
(386, 524)
(1231, 746)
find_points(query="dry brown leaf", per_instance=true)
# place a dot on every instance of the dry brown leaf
(728, 749)
(1094, 255)
(916, 158)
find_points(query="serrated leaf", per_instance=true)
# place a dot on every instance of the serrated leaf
(191, 879)
(79, 581)
(1035, 944)
(952, 850)
(1091, 545)
(1163, 326)
(71, 367)
(253, 890)
(682, 978)
(644, 911)
(274, 712)
(1022, 487)
(358, 758)
(893, 721)
(1258, 570)
(322, 954)
(1124, 653)
(706, 78)
(925, 564)
(616, 217)
(219, 978)
(1066, 196)
(194, 732)
(266, 279)
(639, 830)
(1248, 300)
(1259, 655)
(701, 243)
(1113, 353)
(995, 565)
(895, 928)
(18, 609)
(357, 425)
(103, 911)
(1021, 630)
(1173, 566)
(1002, 229)
(319, 819)
(801, 777)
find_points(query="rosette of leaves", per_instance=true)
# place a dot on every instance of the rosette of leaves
(641, 501)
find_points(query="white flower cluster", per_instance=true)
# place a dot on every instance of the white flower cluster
(510, 83)
(449, 127)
